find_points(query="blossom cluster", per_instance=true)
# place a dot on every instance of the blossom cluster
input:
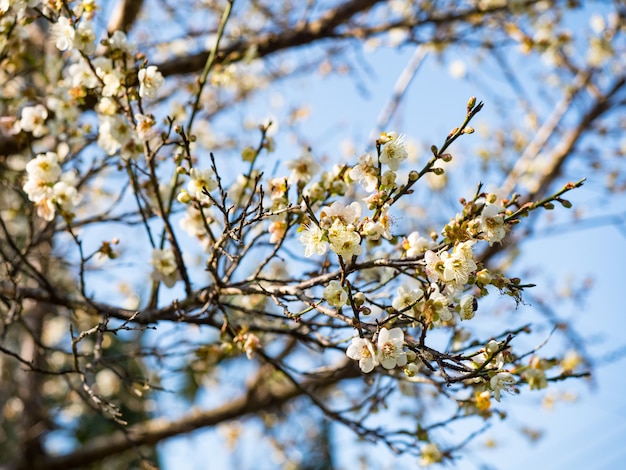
(49, 188)
(388, 352)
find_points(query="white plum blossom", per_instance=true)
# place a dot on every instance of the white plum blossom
(496, 361)
(164, 266)
(501, 381)
(362, 350)
(144, 126)
(200, 180)
(458, 266)
(277, 229)
(114, 133)
(85, 38)
(34, 120)
(390, 348)
(394, 151)
(374, 231)
(48, 188)
(194, 225)
(44, 167)
(81, 74)
(337, 211)
(112, 82)
(314, 241)
(414, 245)
(438, 303)
(492, 223)
(429, 454)
(150, 80)
(62, 33)
(302, 169)
(119, 41)
(366, 173)
(406, 298)
(344, 241)
(335, 294)
(434, 265)
(65, 195)
(467, 307)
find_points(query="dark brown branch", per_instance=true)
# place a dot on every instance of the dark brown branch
(260, 397)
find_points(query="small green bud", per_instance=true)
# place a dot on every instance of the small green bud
(434, 150)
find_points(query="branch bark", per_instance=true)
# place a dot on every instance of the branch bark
(260, 397)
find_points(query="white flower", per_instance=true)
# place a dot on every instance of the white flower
(302, 169)
(429, 454)
(65, 195)
(34, 120)
(362, 350)
(62, 33)
(374, 231)
(344, 240)
(467, 307)
(394, 151)
(314, 241)
(491, 348)
(501, 381)
(112, 82)
(44, 167)
(85, 38)
(277, 229)
(406, 298)
(82, 76)
(335, 294)
(390, 344)
(114, 133)
(492, 223)
(200, 180)
(434, 265)
(438, 303)
(165, 267)
(337, 211)
(145, 126)
(150, 80)
(415, 245)
(458, 266)
(119, 41)
(366, 173)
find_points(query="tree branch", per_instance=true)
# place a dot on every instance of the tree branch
(260, 397)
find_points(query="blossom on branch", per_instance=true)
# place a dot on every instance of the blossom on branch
(165, 267)
(201, 180)
(150, 80)
(335, 294)
(314, 240)
(362, 350)
(393, 151)
(492, 223)
(390, 348)
(501, 381)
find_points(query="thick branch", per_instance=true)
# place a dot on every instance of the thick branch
(124, 15)
(302, 34)
(260, 398)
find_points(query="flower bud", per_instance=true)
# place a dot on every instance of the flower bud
(471, 103)
(183, 197)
